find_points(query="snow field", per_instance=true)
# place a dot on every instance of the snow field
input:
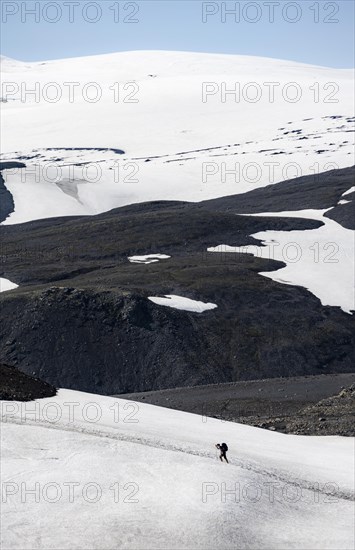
(168, 488)
(210, 125)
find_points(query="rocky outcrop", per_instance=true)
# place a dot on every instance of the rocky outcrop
(116, 341)
(18, 386)
(7, 204)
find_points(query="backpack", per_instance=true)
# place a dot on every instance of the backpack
(224, 447)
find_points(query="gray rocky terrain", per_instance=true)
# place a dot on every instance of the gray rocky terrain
(81, 317)
(309, 405)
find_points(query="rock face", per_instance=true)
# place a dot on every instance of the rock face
(81, 317)
(114, 342)
(99, 341)
(6, 200)
(331, 416)
(18, 386)
(344, 213)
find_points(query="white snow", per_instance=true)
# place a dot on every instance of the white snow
(148, 259)
(343, 202)
(289, 491)
(351, 190)
(185, 304)
(321, 260)
(192, 142)
(6, 285)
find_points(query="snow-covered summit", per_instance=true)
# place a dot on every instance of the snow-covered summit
(173, 63)
(209, 125)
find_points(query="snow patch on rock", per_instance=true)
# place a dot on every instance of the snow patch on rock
(148, 259)
(185, 304)
(6, 285)
(320, 260)
(351, 190)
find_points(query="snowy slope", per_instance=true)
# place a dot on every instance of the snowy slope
(291, 491)
(300, 124)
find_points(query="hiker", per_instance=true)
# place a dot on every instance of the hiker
(223, 448)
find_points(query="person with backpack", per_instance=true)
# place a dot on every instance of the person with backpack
(223, 448)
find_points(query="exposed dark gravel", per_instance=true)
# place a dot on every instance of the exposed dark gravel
(18, 386)
(62, 248)
(311, 405)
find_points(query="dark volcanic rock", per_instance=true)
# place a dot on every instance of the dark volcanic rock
(18, 386)
(7, 205)
(344, 213)
(96, 341)
(64, 248)
(10, 164)
(118, 341)
(318, 191)
(310, 405)
(81, 317)
(331, 416)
